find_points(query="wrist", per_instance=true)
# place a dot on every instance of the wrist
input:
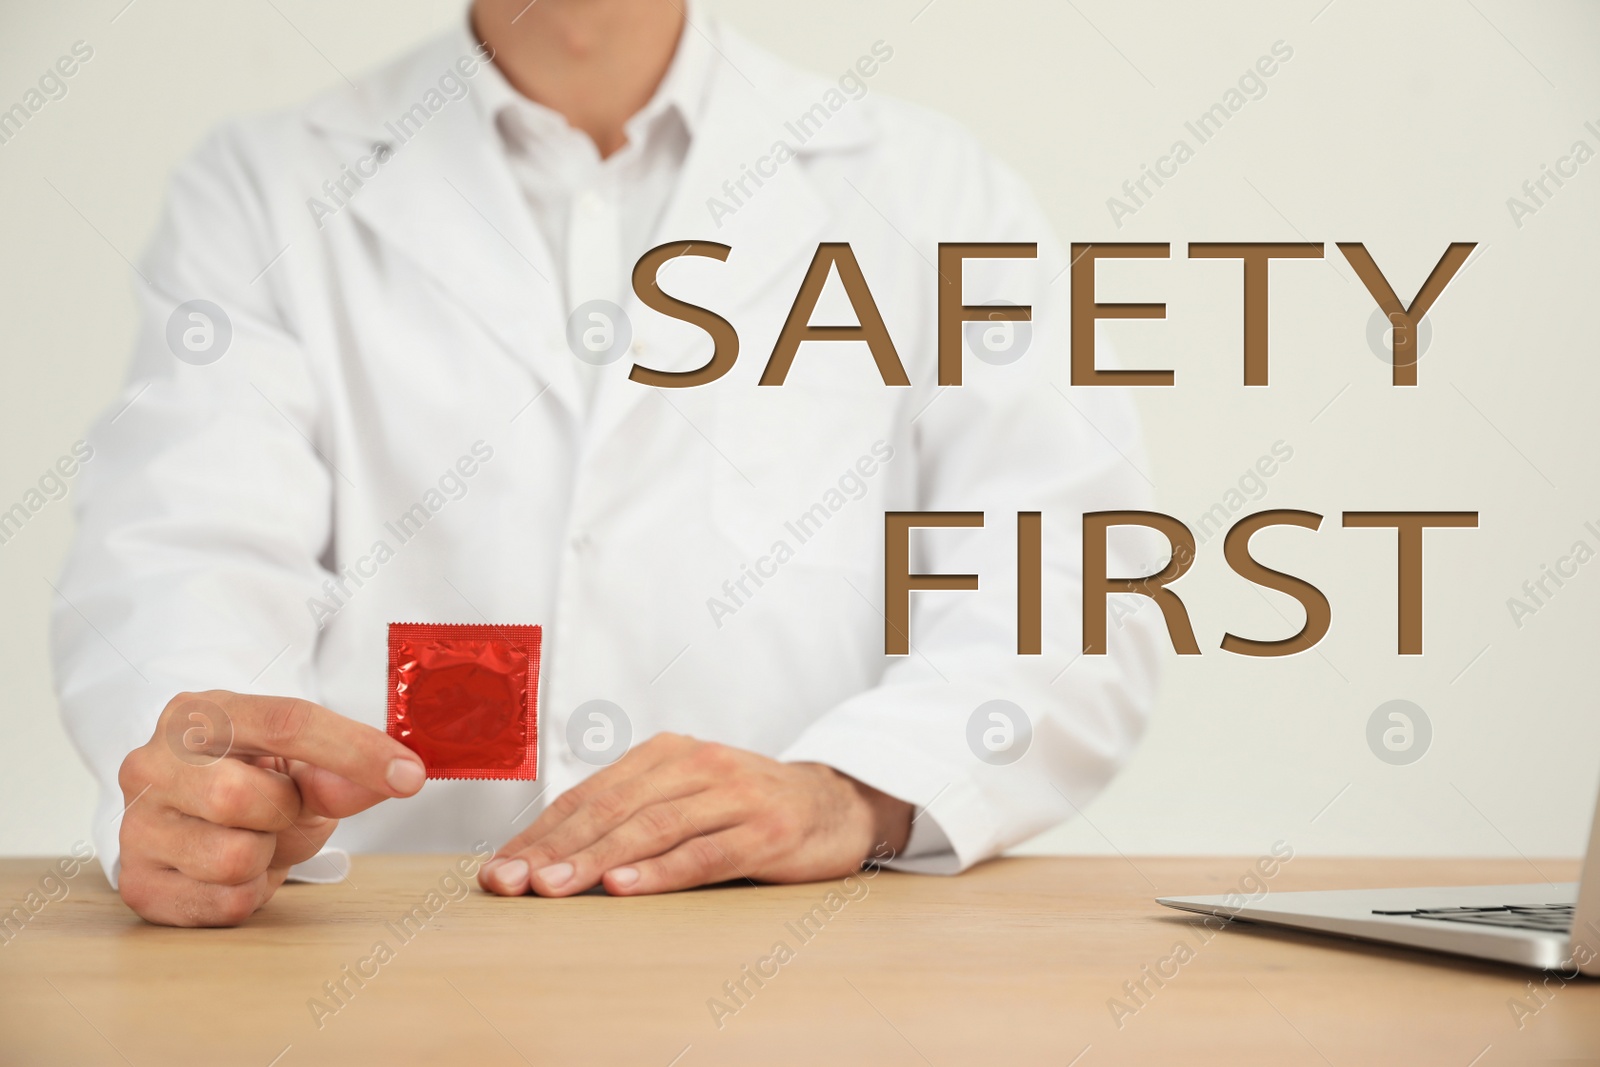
(886, 819)
(890, 818)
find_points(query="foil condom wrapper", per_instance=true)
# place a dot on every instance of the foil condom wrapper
(466, 698)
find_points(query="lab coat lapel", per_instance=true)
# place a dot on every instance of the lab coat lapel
(447, 201)
(773, 231)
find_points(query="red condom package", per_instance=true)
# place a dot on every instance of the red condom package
(465, 698)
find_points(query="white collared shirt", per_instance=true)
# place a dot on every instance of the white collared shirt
(597, 216)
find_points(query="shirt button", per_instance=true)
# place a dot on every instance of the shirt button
(580, 542)
(590, 203)
(638, 348)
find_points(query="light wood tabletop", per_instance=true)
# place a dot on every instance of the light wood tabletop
(1018, 961)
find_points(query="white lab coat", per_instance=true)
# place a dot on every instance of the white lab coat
(377, 357)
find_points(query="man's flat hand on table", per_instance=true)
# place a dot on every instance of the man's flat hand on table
(675, 813)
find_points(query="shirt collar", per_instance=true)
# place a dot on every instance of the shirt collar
(682, 90)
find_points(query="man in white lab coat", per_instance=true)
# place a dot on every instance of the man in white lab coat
(383, 376)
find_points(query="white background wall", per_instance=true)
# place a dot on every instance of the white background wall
(1405, 126)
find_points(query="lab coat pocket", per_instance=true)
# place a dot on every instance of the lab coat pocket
(805, 474)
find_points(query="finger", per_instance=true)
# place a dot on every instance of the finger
(646, 757)
(701, 860)
(508, 872)
(302, 841)
(652, 831)
(232, 793)
(262, 797)
(330, 795)
(301, 730)
(165, 896)
(219, 855)
(606, 811)
(669, 767)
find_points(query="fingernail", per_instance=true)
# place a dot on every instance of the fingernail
(556, 875)
(405, 776)
(512, 875)
(623, 877)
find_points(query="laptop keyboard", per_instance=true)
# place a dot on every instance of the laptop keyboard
(1546, 918)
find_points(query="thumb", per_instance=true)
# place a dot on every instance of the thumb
(302, 840)
(329, 795)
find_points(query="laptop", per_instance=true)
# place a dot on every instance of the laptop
(1548, 926)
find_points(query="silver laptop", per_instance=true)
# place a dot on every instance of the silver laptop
(1553, 927)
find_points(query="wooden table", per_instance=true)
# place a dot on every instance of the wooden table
(1016, 962)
